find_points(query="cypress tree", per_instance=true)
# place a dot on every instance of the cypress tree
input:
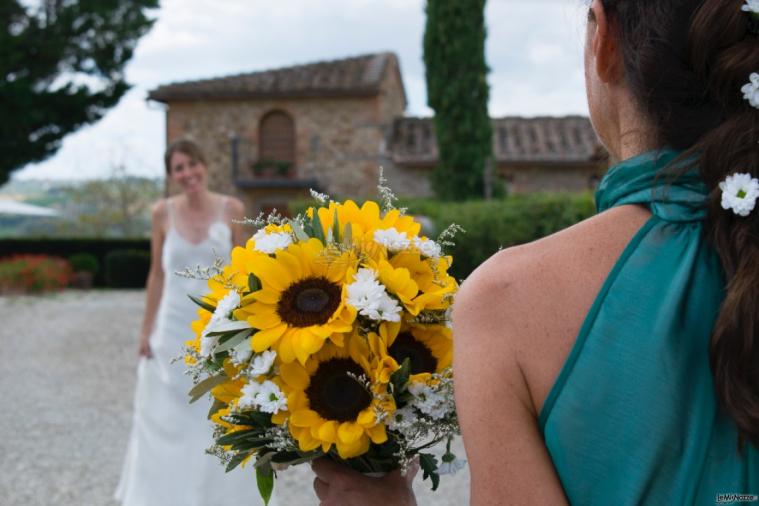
(62, 67)
(458, 92)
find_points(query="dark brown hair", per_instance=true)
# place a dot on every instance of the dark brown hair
(184, 146)
(685, 62)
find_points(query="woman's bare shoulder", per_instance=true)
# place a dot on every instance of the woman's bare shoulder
(530, 301)
(236, 207)
(159, 209)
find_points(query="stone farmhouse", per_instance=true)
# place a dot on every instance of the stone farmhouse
(270, 136)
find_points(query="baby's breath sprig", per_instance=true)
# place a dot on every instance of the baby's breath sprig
(260, 221)
(203, 273)
(386, 194)
(446, 237)
(322, 198)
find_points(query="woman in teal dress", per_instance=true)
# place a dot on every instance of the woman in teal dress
(617, 362)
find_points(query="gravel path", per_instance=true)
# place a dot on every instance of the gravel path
(67, 370)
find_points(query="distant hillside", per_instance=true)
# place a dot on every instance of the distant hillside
(114, 207)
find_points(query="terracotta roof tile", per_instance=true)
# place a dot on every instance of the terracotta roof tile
(357, 76)
(515, 139)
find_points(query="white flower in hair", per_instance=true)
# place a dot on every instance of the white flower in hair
(751, 6)
(739, 193)
(751, 90)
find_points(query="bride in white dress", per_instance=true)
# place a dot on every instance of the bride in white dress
(166, 463)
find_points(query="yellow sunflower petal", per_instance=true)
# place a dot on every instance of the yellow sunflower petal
(291, 263)
(377, 434)
(367, 418)
(350, 450)
(272, 273)
(328, 431)
(264, 320)
(349, 432)
(294, 375)
(263, 339)
(305, 418)
(285, 348)
(265, 296)
(306, 442)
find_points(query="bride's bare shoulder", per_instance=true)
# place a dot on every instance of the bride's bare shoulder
(530, 300)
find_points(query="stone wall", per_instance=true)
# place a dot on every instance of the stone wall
(339, 141)
(553, 178)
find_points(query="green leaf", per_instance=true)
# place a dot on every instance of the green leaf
(254, 284)
(237, 460)
(336, 229)
(400, 377)
(316, 224)
(216, 406)
(233, 341)
(252, 418)
(348, 235)
(428, 463)
(200, 302)
(230, 326)
(265, 482)
(300, 234)
(205, 386)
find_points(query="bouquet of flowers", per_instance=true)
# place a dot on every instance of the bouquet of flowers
(328, 336)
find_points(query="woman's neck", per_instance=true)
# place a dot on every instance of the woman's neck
(199, 200)
(634, 133)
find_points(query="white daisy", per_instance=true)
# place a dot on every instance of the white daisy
(430, 402)
(262, 363)
(249, 393)
(269, 243)
(270, 398)
(388, 309)
(241, 353)
(450, 464)
(393, 240)
(751, 90)
(428, 247)
(739, 193)
(220, 315)
(402, 418)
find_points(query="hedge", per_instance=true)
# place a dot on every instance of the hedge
(127, 268)
(495, 224)
(99, 248)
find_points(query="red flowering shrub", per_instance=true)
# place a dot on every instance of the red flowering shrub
(33, 274)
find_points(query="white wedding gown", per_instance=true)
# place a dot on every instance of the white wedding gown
(166, 463)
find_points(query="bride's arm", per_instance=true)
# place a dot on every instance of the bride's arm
(240, 233)
(509, 463)
(155, 277)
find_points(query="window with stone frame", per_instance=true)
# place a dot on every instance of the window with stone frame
(276, 146)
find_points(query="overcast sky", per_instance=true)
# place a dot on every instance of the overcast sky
(534, 50)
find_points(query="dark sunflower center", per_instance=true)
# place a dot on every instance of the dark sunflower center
(420, 357)
(334, 394)
(311, 301)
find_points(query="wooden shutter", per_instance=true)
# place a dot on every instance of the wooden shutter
(277, 138)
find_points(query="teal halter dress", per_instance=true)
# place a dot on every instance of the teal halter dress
(633, 417)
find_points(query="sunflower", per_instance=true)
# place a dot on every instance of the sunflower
(329, 405)
(302, 301)
(429, 348)
(435, 285)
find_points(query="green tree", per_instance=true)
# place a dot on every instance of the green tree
(62, 67)
(458, 92)
(115, 207)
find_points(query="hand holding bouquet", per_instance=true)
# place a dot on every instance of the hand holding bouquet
(328, 336)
